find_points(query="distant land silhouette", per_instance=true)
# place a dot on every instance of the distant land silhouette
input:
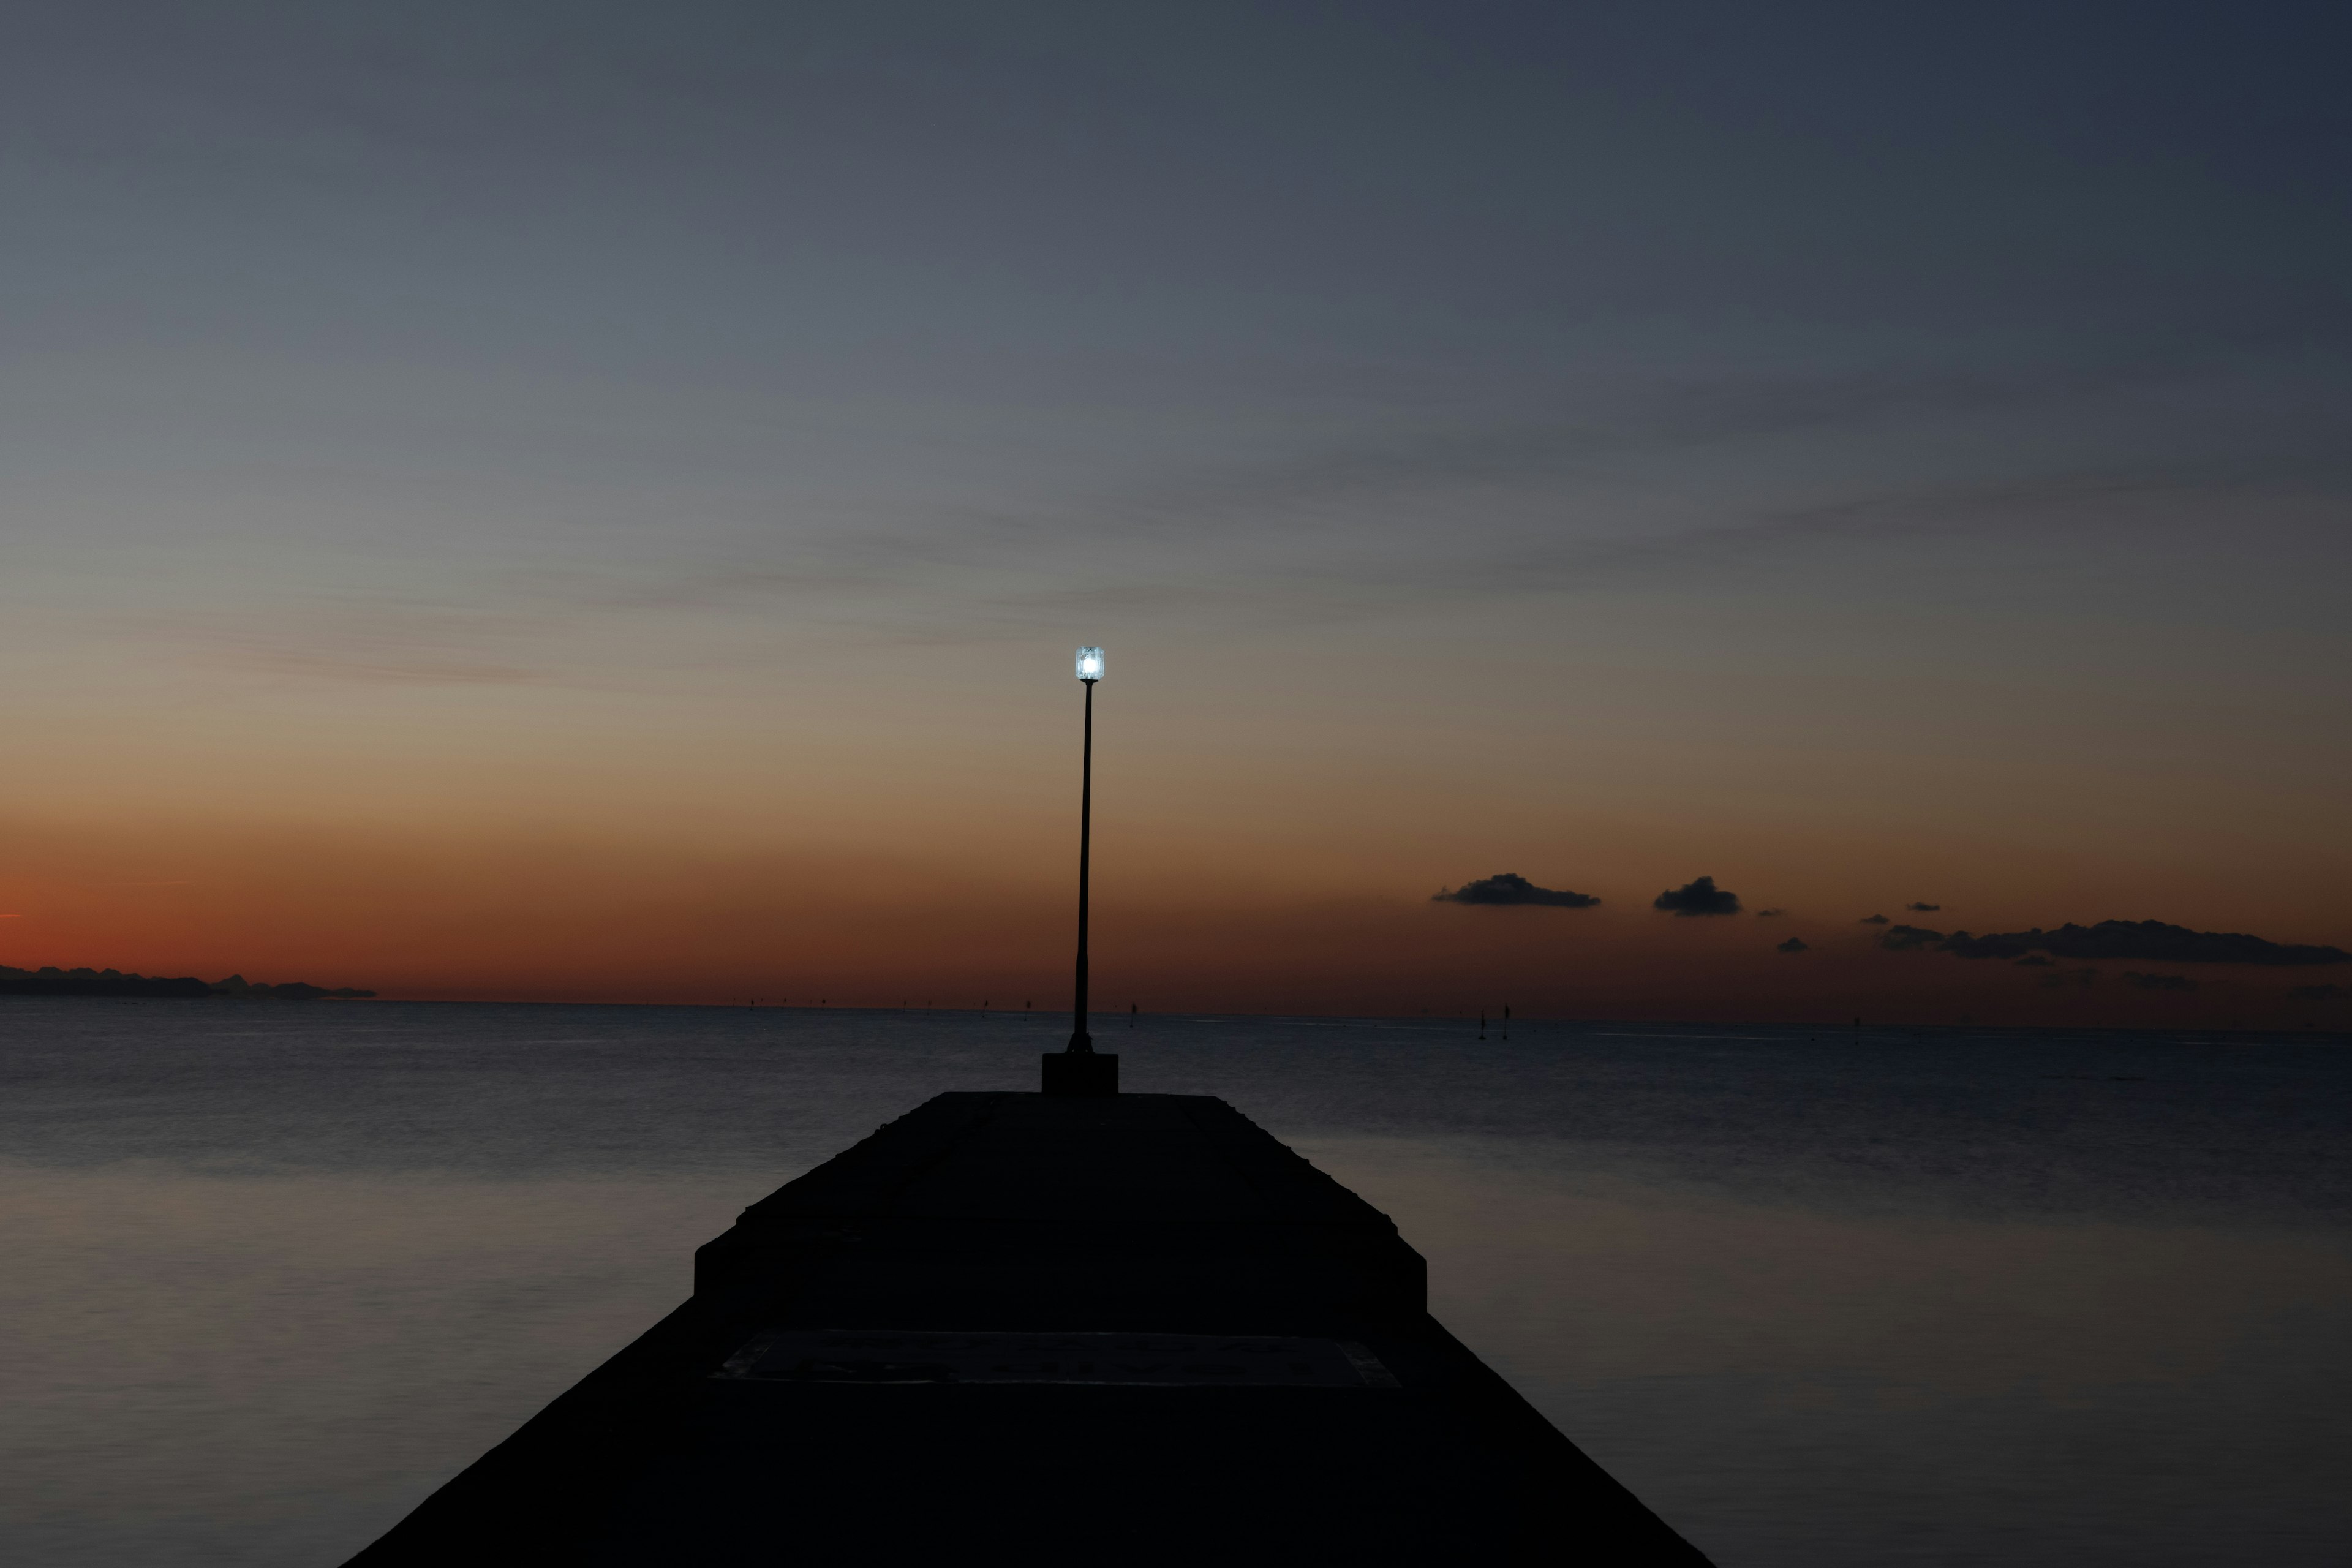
(51, 981)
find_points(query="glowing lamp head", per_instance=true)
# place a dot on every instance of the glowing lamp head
(1090, 665)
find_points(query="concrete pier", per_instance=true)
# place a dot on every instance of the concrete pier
(1061, 1328)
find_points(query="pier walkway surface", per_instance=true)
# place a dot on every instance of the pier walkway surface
(1052, 1330)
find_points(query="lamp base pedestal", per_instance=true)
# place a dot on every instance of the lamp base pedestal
(1075, 1072)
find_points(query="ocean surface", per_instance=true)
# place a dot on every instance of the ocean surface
(274, 1271)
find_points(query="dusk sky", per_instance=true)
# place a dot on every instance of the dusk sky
(593, 501)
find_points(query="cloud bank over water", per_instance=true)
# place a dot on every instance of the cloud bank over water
(2116, 940)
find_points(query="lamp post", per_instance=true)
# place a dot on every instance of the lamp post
(1078, 1068)
(1090, 672)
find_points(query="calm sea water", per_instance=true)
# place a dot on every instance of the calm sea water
(273, 1272)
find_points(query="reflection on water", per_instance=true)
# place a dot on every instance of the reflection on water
(1790, 1386)
(241, 1370)
(1926, 1299)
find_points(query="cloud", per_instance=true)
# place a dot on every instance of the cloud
(1794, 944)
(368, 641)
(1506, 887)
(1291, 520)
(2139, 940)
(1872, 920)
(1661, 417)
(1414, 469)
(1767, 914)
(1923, 908)
(1904, 938)
(2320, 992)
(1697, 897)
(2160, 982)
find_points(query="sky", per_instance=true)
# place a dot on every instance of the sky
(592, 502)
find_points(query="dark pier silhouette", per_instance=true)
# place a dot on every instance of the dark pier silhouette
(1074, 1327)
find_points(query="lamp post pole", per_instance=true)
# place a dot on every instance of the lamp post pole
(1079, 1068)
(1080, 1041)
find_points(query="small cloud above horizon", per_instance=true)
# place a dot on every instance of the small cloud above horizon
(1507, 889)
(1923, 908)
(1794, 944)
(1698, 896)
(1767, 914)
(1872, 920)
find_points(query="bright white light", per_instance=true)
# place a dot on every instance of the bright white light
(1090, 664)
